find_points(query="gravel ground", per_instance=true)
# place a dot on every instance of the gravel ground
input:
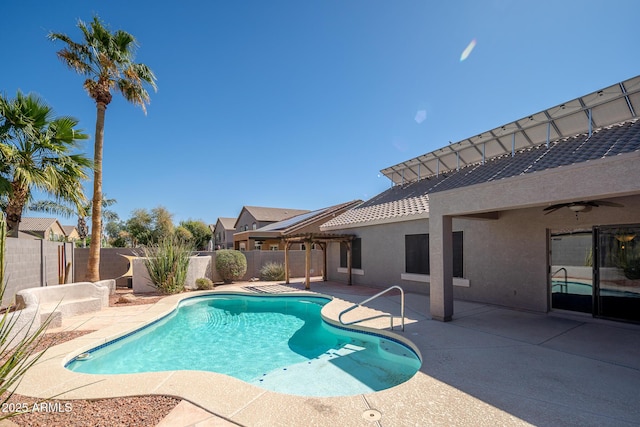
(127, 411)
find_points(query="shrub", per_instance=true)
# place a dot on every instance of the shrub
(167, 263)
(231, 264)
(272, 271)
(203, 284)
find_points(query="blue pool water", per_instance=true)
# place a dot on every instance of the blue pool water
(579, 288)
(279, 343)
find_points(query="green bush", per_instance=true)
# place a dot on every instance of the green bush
(272, 271)
(231, 264)
(167, 263)
(204, 284)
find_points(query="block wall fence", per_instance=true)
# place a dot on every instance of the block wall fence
(34, 263)
(114, 266)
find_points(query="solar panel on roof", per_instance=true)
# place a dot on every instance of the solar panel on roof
(614, 104)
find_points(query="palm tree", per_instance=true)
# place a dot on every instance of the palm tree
(106, 59)
(36, 153)
(82, 212)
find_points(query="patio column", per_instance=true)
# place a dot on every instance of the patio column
(323, 246)
(286, 261)
(441, 265)
(307, 264)
(349, 262)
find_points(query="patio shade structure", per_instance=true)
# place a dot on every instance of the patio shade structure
(321, 239)
(610, 105)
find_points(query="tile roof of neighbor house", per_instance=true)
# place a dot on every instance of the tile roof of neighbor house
(36, 224)
(409, 200)
(68, 229)
(292, 224)
(227, 223)
(271, 214)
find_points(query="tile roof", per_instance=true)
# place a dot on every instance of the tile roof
(272, 214)
(36, 224)
(227, 223)
(409, 200)
(68, 229)
(292, 224)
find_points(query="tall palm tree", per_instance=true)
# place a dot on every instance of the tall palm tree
(36, 152)
(82, 212)
(106, 59)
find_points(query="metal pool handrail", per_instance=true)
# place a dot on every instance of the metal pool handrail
(354, 306)
(566, 285)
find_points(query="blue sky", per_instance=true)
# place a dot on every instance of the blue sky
(300, 104)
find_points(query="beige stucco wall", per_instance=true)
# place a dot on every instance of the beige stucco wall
(515, 245)
(505, 259)
(383, 259)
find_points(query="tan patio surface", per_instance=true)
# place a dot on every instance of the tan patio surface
(489, 366)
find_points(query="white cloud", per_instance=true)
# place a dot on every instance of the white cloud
(420, 117)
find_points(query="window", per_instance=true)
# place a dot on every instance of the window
(258, 246)
(417, 254)
(254, 226)
(356, 254)
(243, 246)
(246, 227)
(273, 247)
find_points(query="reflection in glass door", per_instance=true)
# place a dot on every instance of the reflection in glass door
(617, 272)
(571, 271)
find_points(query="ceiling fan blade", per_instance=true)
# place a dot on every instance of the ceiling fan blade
(552, 209)
(556, 207)
(605, 203)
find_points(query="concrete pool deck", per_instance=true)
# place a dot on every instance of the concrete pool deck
(489, 366)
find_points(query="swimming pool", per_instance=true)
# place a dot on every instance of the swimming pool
(279, 343)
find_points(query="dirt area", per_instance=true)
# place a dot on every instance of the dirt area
(125, 296)
(127, 411)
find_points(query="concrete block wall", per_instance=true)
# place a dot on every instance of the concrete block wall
(33, 263)
(256, 259)
(113, 265)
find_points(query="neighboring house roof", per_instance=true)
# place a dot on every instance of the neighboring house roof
(36, 224)
(36, 227)
(227, 223)
(298, 222)
(269, 214)
(68, 229)
(402, 202)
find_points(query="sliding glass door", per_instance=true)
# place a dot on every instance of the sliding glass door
(617, 272)
(571, 271)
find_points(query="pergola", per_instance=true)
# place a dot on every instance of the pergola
(321, 239)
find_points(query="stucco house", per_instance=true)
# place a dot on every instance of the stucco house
(71, 233)
(254, 217)
(223, 233)
(539, 214)
(41, 228)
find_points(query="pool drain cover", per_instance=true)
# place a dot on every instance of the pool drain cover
(371, 415)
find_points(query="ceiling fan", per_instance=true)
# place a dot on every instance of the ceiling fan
(584, 206)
